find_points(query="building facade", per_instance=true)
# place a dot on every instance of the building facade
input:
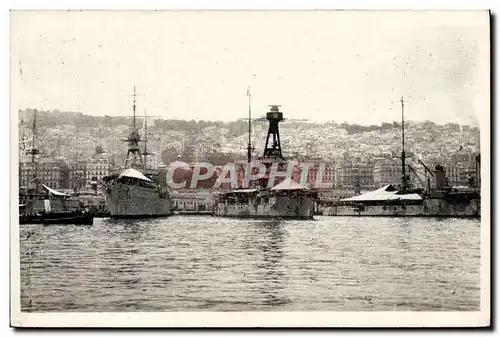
(354, 175)
(54, 174)
(462, 167)
(328, 178)
(386, 171)
(97, 168)
(78, 175)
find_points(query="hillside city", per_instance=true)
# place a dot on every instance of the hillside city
(76, 149)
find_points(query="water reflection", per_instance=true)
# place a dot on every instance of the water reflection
(126, 254)
(189, 263)
(404, 237)
(133, 233)
(272, 235)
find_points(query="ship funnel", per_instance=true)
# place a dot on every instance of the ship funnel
(440, 177)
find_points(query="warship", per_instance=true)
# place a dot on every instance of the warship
(133, 190)
(286, 199)
(403, 199)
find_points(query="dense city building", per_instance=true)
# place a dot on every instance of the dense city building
(97, 168)
(328, 178)
(354, 174)
(353, 148)
(386, 171)
(78, 175)
(57, 174)
(53, 174)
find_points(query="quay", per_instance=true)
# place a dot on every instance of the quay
(194, 212)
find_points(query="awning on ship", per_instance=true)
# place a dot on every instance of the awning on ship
(388, 192)
(54, 192)
(288, 184)
(249, 190)
(133, 173)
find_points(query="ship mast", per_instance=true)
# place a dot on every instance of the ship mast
(146, 153)
(34, 151)
(133, 143)
(133, 108)
(76, 179)
(403, 154)
(249, 147)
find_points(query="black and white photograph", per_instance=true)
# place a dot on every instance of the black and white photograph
(250, 168)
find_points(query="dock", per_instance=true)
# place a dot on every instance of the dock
(194, 213)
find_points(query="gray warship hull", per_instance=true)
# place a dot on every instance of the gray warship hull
(432, 207)
(300, 207)
(133, 201)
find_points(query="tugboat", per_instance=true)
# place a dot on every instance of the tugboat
(48, 206)
(134, 191)
(286, 199)
(404, 200)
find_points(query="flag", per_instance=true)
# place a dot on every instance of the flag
(248, 91)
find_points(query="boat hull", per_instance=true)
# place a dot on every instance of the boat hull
(30, 219)
(428, 208)
(134, 201)
(279, 207)
(72, 218)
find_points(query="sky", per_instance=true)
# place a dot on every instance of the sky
(319, 65)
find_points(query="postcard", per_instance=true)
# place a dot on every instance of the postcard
(250, 168)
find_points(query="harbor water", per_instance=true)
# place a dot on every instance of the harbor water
(189, 263)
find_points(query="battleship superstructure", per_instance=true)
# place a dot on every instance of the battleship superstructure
(133, 191)
(405, 200)
(287, 199)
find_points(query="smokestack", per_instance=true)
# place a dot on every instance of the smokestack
(440, 176)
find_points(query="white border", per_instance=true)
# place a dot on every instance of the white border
(247, 319)
(254, 319)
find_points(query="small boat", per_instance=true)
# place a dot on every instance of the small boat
(48, 206)
(53, 207)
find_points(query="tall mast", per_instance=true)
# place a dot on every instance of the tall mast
(146, 153)
(33, 130)
(76, 139)
(403, 155)
(34, 151)
(249, 147)
(76, 178)
(133, 143)
(75, 166)
(133, 107)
